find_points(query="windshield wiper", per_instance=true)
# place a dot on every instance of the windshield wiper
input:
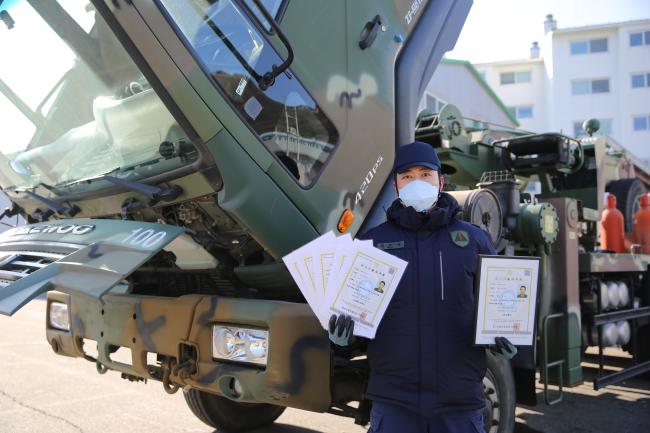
(154, 193)
(53, 207)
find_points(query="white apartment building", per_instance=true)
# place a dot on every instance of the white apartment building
(600, 71)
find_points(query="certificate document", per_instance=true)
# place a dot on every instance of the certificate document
(364, 286)
(300, 264)
(506, 300)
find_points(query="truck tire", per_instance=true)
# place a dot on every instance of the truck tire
(627, 192)
(500, 398)
(227, 416)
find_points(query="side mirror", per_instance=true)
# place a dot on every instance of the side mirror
(6, 18)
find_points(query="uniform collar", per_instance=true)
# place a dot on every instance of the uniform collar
(441, 215)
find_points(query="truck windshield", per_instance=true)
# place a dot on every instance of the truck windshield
(74, 104)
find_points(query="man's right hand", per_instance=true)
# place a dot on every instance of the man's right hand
(340, 329)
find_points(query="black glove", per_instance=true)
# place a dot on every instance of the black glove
(503, 348)
(340, 330)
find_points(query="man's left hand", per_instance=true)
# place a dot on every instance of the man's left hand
(341, 329)
(503, 348)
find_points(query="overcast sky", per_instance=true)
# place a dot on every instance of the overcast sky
(505, 29)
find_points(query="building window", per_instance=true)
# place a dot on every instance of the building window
(598, 46)
(640, 80)
(589, 46)
(639, 38)
(521, 112)
(581, 47)
(525, 112)
(507, 78)
(515, 77)
(584, 87)
(605, 128)
(641, 123)
(600, 86)
(523, 77)
(434, 104)
(577, 129)
(580, 87)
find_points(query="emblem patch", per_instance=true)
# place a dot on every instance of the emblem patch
(460, 238)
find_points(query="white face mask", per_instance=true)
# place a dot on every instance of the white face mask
(420, 195)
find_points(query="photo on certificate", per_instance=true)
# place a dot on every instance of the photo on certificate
(364, 286)
(506, 299)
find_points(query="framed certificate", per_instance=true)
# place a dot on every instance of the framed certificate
(506, 299)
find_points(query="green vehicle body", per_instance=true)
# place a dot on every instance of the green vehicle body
(154, 268)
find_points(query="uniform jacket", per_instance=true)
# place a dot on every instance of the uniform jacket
(422, 357)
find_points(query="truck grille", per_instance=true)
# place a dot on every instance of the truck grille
(15, 265)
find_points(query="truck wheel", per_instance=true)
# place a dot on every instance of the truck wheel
(627, 192)
(228, 416)
(500, 399)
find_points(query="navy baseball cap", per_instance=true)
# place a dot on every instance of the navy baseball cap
(416, 153)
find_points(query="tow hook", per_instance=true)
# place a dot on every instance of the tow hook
(185, 370)
(187, 361)
(169, 386)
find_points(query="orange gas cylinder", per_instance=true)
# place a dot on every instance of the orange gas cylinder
(611, 227)
(642, 225)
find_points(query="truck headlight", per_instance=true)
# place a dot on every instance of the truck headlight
(233, 343)
(59, 317)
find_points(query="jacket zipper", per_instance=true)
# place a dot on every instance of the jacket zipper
(442, 279)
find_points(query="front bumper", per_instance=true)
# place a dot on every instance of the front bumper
(297, 373)
(87, 261)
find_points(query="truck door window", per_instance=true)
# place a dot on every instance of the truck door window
(234, 52)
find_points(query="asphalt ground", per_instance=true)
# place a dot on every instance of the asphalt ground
(43, 392)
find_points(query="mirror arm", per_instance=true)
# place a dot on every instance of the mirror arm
(268, 78)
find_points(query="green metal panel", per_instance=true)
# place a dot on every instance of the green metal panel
(547, 366)
(255, 202)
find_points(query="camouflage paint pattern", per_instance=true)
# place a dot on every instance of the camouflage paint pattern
(298, 369)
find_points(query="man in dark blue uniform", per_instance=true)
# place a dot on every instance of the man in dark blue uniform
(425, 374)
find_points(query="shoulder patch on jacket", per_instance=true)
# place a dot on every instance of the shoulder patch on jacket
(460, 238)
(390, 245)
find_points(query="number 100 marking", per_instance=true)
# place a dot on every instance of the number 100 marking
(147, 238)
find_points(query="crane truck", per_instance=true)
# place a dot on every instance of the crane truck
(165, 155)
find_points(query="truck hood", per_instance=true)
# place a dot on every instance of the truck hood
(78, 256)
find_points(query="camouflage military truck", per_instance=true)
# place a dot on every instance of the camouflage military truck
(166, 154)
